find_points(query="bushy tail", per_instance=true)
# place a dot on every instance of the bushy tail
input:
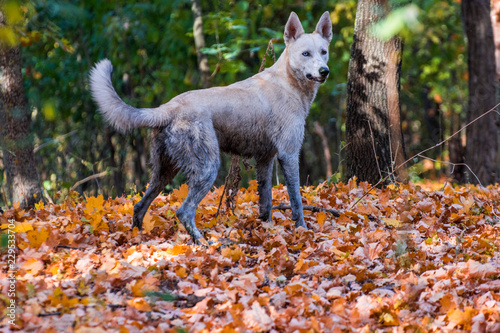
(115, 111)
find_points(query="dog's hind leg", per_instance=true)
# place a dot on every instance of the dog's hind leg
(290, 167)
(199, 185)
(163, 173)
(201, 161)
(264, 180)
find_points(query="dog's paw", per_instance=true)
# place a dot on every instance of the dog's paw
(302, 224)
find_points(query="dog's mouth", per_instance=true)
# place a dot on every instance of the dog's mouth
(316, 79)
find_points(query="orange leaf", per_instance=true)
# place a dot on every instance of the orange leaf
(181, 272)
(181, 193)
(148, 222)
(321, 218)
(139, 303)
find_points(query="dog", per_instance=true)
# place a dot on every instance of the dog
(260, 117)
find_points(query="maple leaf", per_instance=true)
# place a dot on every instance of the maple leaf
(256, 318)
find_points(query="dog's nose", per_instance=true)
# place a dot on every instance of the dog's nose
(323, 71)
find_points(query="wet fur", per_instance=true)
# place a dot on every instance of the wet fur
(260, 117)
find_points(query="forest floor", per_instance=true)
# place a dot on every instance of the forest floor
(403, 259)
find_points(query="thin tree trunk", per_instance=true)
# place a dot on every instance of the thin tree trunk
(457, 151)
(117, 172)
(373, 128)
(481, 149)
(19, 160)
(199, 42)
(318, 129)
(495, 21)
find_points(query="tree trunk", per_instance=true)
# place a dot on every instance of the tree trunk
(481, 148)
(199, 42)
(19, 160)
(117, 172)
(373, 125)
(318, 129)
(495, 21)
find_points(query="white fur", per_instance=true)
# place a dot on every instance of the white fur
(115, 111)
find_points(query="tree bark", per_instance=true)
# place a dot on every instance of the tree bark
(373, 124)
(199, 42)
(481, 148)
(19, 160)
(495, 21)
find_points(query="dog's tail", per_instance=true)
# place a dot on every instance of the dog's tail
(114, 110)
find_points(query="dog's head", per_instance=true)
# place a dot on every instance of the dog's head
(308, 53)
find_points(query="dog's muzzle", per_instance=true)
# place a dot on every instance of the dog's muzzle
(323, 72)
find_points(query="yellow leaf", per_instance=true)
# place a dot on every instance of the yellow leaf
(210, 223)
(181, 272)
(389, 319)
(392, 222)
(177, 249)
(140, 304)
(12, 12)
(137, 288)
(321, 218)
(94, 204)
(463, 318)
(8, 36)
(232, 253)
(23, 227)
(39, 205)
(37, 237)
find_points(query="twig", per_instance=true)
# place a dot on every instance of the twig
(68, 247)
(314, 209)
(48, 195)
(453, 166)
(270, 47)
(54, 140)
(58, 313)
(222, 196)
(97, 175)
(423, 151)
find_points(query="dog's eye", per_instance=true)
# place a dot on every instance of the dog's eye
(323, 52)
(306, 54)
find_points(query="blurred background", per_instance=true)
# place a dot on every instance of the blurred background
(152, 48)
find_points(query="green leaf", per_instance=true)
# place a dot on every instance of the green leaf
(395, 22)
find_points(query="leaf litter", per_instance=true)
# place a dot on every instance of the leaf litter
(404, 259)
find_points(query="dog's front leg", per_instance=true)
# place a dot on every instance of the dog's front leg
(290, 168)
(264, 180)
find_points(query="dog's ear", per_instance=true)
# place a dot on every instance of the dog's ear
(293, 29)
(324, 27)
